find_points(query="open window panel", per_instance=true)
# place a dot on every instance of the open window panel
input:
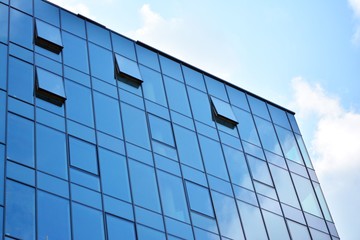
(49, 87)
(223, 113)
(128, 70)
(48, 36)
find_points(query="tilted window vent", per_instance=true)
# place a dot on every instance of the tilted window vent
(49, 87)
(128, 69)
(48, 36)
(223, 112)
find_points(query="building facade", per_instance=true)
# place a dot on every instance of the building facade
(102, 137)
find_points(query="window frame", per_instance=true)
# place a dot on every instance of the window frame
(45, 43)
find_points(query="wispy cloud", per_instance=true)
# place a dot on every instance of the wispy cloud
(335, 150)
(355, 6)
(74, 6)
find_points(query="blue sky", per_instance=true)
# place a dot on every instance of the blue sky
(303, 55)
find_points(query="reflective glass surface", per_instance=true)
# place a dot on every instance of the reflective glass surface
(216, 88)
(119, 229)
(259, 170)
(199, 199)
(177, 96)
(47, 12)
(128, 67)
(298, 231)
(200, 106)
(98, 35)
(3, 65)
(223, 110)
(49, 82)
(237, 98)
(171, 68)
(161, 130)
(83, 155)
(267, 135)
(279, 117)
(71, 23)
(275, 226)
(251, 217)
(246, 126)
(303, 150)
(21, 29)
(288, 145)
(4, 15)
(147, 57)
(101, 63)
(258, 107)
(194, 78)
(48, 33)
(153, 86)
(123, 46)
(2, 173)
(2, 116)
(75, 53)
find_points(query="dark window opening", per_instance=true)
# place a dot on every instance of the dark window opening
(128, 70)
(48, 37)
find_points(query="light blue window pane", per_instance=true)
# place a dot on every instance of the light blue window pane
(223, 110)
(127, 67)
(237, 166)
(20, 52)
(2, 116)
(251, 217)
(188, 147)
(3, 63)
(83, 155)
(101, 63)
(20, 145)
(246, 126)
(220, 185)
(107, 118)
(319, 235)
(227, 216)
(21, 29)
(199, 199)
(284, 186)
(216, 88)
(161, 130)
(298, 231)
(20, 211)
(275, 159)
(21, 80)
(114, 175)
(245, 195)
(21, 108)
(48, 36)
(259, 170)
(4, 15)
(51, 151)
(80, 131)
(72, 23)
(144, 187)
(111, 143)
(79, 103)
(288, 145)
(85, 196)
(53, 214)
(293, 123)
(303, 150)
(167, 165)
(177, 228)
(149, 218)
(200, 106)
(1, 220)
(237, 98)
(171, 68)
(87, 223)
(2, 174)
(204, 222)
(49, 85)
(153, 86)
(140, 154)
(201, 234)
(267, 135)
(25, 6)
(147, 57)
(144, 233)
(173, 196)
(119, 229)
(213, 157)
(85, 179)
(75, 53)
(307, 195)
(135, 126)
(194, 78)
(98, 35)
(258, 107)
(293, 213)
(118, 207)
(275, 226)
(20, 173)
(123, 46)
(177, 96)
(322, 201)
(52, 184)
(279, 116)
(47, 12)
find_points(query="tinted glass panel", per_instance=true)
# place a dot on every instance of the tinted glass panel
(2, 116)
(128, 67)
(20, 140)
(47, 12)
(4, 23)
(20, 211)
(101, 63)
(237, 98)
(322, 201)
(98, 35)
(199, 199)
(83, 155)
(114, 175)
(87, 223)
(107, 118)
(21, 80)
(144, 233)
(288, 145)
(123, 46)
(70, 22)
(246, 126)
(259, 170)
(258, 107)
(53, 214)
(50, 83)
(293, 123)
(51, 151)
(303, 150)
(200, 106)
(147, 57)
(216, 88)
(177, 96)
(144, 187)
(48, 36)
(223, 110)
(171, 68)
(161, 130)
(173, 196)
(2, 173)
(75, 53)
(194, 78)
(21, 29)
(275, 226)
(251, 217)
(119, 229)
(267, 135)
(279, 116)
(298, 231)
(153, 86)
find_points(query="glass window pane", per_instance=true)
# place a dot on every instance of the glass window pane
(194, 78)
(53, 214)
(119, 229)
(21, 29)
(72, 23)
(3, 64)
(251, 217)
(161, 130)
(200, 106)
(237, 98)
(144, 233)
(20, 145)
(75, 53)
(20, 211)
(2, 174)
(288, 145)
(107, 118)
(173, 196)
(293, 123)
(227, 216)
(279, 116)
(153, 86)
(50, 87)
(258, 107)
(322, 201)
(267, 135)
(101, 63)
(128, 68)
(246, 126)
(123, 46)
(171, 68)
(147, 57)
(176, 94)
(85, 196)
(87, 223)
(199, 199)
(48, 36)
(135, 126)
(298, 231)
(216, 88)
(51, 151)
(98, 35)
(114, 175)
(149, 218)
(188, 147)
(213, 157)
(275, 226)
(83, 155)
(303, 150)
(144, 187)
(47, 12)
(223, 111)
(79, 103)
(2, 116)
(4, 15)
(259, 170)
(21, 80)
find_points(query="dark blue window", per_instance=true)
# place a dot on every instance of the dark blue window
(50, 87)
(161, 130)
(83, 155)
(101, 63)
(20, 145)
(149, 218)
(21, 29)
(194, 78)
(153, 86)
(51, 151)
(75, 53)
(20, 211)
(200, 106)
(85, 196)
(114, 175)
(47, 12)
(147, 57)
(73, 24)
(25, 6)
(2, 116)
(98, 35)
(145, 233)
(2, 173)
(3, 64)
(216, 88)
(199, 199)
(48, 36)
(171, 68)
(119, 229)
(279, 116)
(176, 94)
(237, 98)
(4, 15)
(123, 46)
(128, 68)
(53, 214)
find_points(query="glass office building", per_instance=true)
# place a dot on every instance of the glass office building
(102, 137)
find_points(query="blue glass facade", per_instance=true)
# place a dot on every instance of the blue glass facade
(102, 137)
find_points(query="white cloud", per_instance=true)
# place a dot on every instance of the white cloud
(335, 150)
(74, 6)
